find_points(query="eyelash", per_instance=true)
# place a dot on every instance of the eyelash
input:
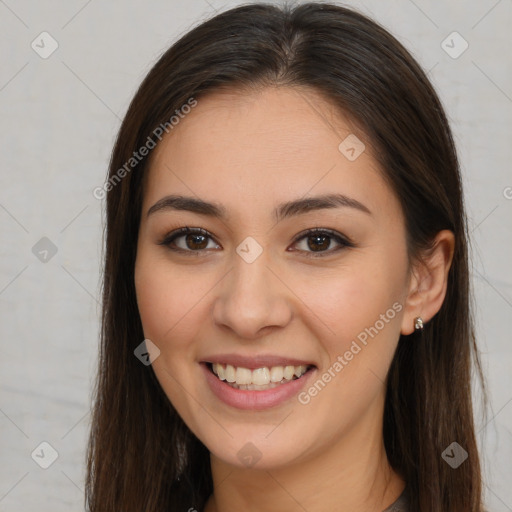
(342, 240)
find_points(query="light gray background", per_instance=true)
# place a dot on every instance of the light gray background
(58, 120)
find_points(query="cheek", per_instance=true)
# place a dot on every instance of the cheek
(349, 303)
(363, 316)
(167, 300)
(169, 303)
(360, 303)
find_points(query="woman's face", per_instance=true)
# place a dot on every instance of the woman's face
(254, 290)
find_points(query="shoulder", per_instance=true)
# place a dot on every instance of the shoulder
(401, 504)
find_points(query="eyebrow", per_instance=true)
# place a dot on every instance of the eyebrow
(282, 211)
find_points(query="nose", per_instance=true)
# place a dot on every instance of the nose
(252, 300)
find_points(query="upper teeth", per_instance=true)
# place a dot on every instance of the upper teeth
(260, 376)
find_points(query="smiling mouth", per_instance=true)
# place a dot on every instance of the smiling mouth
(258, 379)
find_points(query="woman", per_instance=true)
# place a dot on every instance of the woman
(286, 320)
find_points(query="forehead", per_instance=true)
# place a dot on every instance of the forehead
(258, 148)
(261, 124)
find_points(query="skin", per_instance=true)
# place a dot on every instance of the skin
(250, 151)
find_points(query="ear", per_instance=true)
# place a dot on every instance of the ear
(428, 282)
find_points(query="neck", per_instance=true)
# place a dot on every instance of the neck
(351, 474)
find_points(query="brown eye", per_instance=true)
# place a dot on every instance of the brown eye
(189, 240)
(321, 241)
(194, 241)
(315, 242)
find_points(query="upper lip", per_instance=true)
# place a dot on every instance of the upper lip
(256, 361)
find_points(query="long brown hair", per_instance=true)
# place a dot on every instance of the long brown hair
(141, 456)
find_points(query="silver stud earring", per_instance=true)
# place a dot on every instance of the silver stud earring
(418, 323)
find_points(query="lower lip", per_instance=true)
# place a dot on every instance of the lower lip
(254, 400)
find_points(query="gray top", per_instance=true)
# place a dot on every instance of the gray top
(400, 505)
